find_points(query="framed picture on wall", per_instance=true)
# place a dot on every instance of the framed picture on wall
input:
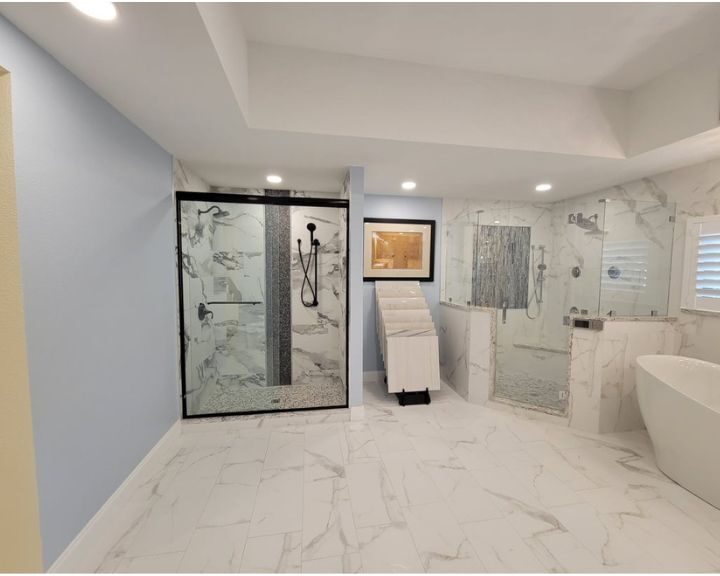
(398, 249)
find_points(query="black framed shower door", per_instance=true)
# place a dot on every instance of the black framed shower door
(248, 343)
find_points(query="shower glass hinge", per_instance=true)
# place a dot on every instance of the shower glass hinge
(671, 218)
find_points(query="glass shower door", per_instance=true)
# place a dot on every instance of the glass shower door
(258, 335)
(224, 307)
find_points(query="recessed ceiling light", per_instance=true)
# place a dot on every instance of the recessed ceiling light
(274, 179)
(543, 187)
(98, 9)
(408, 185)
(496, 222)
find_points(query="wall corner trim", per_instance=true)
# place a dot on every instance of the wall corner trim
(65, 562)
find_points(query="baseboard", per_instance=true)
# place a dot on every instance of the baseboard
(373, 376)
(63, 564)
(357, 413)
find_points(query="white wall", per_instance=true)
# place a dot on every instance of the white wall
(96, 242)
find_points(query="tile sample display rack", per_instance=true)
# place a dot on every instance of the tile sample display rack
(408, 341)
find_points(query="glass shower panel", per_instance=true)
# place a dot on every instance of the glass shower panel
(579, 240)
(250, 342)
(636, 258)
(459, 262)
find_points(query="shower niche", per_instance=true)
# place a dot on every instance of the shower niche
(263, 312)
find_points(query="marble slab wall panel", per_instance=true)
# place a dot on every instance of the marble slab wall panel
(467, 350)
(453, 343)
(481, 355)
(316, 331)
(603, 366)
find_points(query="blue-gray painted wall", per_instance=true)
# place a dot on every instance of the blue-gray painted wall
(356, 334)
(96, 239)
(411, 209)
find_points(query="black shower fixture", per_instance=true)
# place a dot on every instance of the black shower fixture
(220, 212)
(312, 259)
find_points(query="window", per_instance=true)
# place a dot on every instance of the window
(701, 274)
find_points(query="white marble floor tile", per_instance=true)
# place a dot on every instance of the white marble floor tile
(410, 478)
(215, 550)
(390, 436)
(249, 448)
(158, 564)
(462, 492)
(442, 545)
(286, 448)
(547, 455)
(388, 549)
(171, 520)
(246, 473)
(360, 443)
(347, 564)
(373, 500)
(324, 452)
(516, 503)
(538, 479)
(449, 487)
(328, 525)
(500, 548)
(229, 504)
(278, 504)
(601, 537)
(279, 553)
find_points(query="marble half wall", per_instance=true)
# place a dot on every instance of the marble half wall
(467, 350)
(603, 366)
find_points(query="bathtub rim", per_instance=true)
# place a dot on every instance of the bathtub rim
(641, 364)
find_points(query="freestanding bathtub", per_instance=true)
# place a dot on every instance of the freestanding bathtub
(680, 403)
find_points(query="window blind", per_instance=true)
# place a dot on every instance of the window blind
(630, 259)
(707, 273)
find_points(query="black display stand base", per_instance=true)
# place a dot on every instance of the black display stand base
(410, 398)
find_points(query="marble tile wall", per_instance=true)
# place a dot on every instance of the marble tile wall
(316, 334)
(603, 367)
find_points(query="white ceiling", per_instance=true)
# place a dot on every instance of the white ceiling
(180, 80)
(610, 45)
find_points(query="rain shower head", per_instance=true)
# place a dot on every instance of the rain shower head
(590, 223)
(311, 227)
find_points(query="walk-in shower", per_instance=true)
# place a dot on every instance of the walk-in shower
(263, 316)
(538, 265)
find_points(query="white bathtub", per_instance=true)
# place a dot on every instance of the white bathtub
(680, 403)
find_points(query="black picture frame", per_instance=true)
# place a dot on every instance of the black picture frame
(420, 278)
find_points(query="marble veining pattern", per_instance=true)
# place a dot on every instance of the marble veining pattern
(449, 487)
